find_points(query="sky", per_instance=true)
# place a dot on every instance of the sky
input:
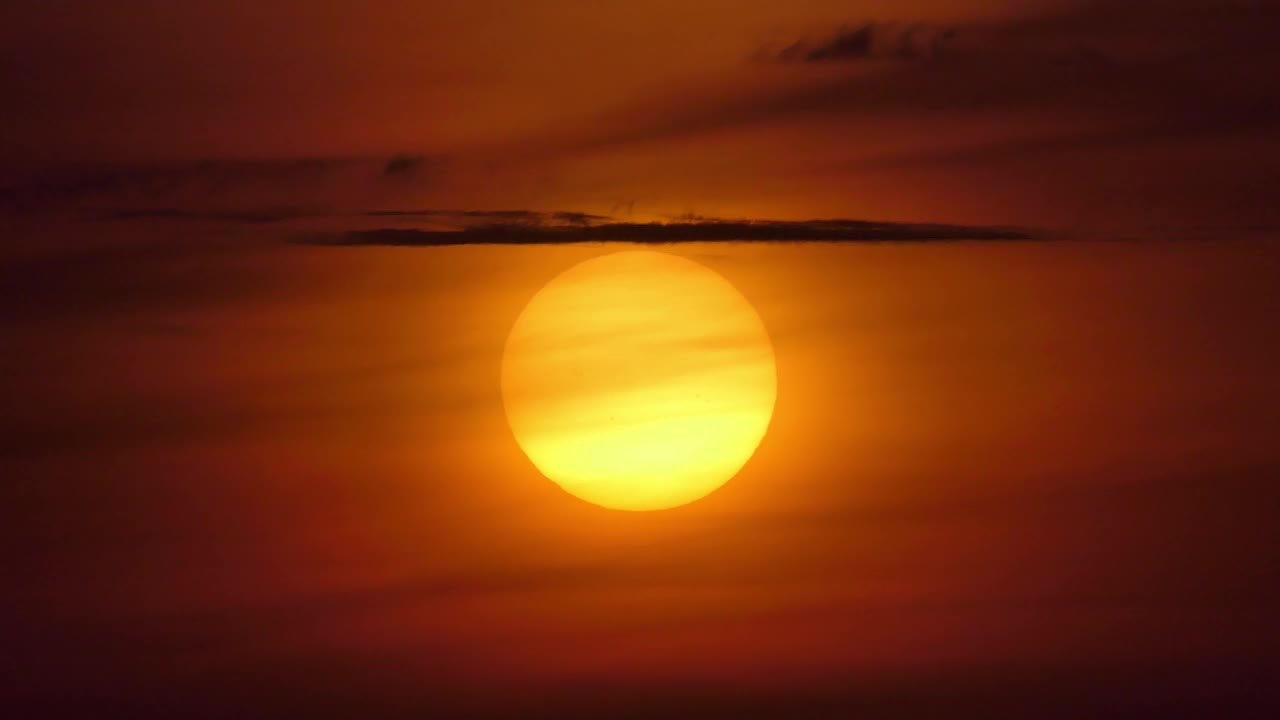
(1138, 117)
(1017, 260)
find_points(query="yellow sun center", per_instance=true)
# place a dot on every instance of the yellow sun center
(639, 380)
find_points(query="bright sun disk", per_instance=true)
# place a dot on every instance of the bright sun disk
(639, 380)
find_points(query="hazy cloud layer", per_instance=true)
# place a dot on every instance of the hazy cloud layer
(1163, 64)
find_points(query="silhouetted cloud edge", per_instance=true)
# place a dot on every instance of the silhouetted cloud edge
(740, 231)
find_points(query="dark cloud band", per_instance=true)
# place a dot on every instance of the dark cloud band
(670, 233)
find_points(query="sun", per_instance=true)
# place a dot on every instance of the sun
(639, 380)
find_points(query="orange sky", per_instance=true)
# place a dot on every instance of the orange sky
(253, 454)
(987, 461)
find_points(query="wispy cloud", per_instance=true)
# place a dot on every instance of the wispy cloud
(246, 216)
(870, 41)
(1104, 65)
(214, 189)
(407, 165)
(441, 220)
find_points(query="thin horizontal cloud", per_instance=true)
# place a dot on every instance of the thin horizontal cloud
(738, 231)
(247, 216)
(501, 217)
(187, 190)
(453, 219)
(75, 184)
(871, 41)
(1212, 122)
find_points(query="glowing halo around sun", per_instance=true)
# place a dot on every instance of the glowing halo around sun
(639, 380)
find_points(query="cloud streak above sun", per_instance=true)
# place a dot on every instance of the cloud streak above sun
(734, 231)
(871, 41)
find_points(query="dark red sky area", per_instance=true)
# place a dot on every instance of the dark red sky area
(1022, 285)
(1142, 116)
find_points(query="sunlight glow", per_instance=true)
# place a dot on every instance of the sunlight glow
(639, 380)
